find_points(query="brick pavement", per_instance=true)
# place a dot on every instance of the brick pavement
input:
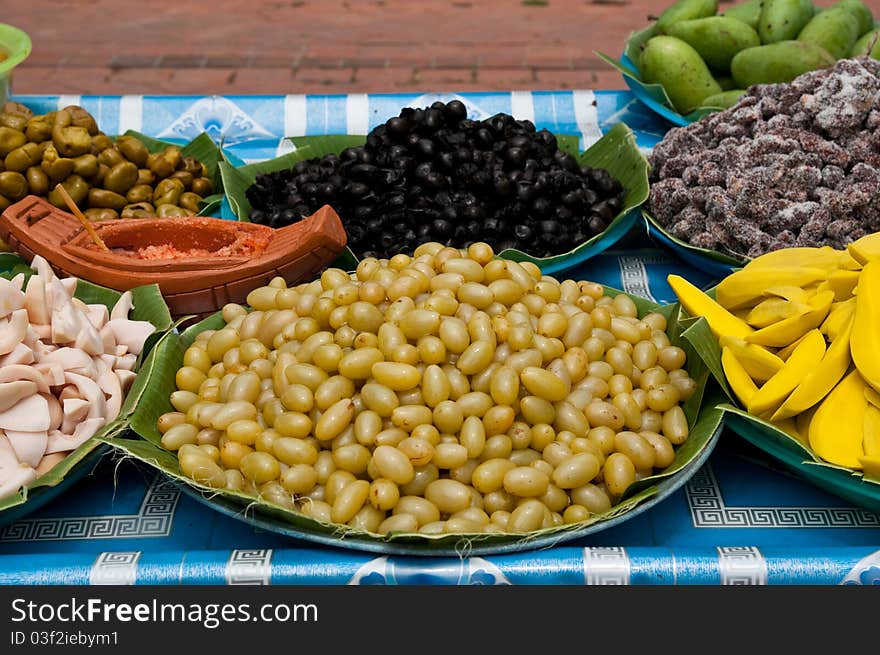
(321, 46)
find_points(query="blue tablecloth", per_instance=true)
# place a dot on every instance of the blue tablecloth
(739, 520)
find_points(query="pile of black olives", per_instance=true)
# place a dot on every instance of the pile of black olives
(434, 175)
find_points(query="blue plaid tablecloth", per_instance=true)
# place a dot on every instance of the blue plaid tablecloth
(739, 520)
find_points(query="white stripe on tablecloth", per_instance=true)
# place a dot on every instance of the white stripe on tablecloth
(522, 106)
(587, 116)
(357, 113)
(115, 568)
(130, 113)
(66, 101)
(741, 565)
(606, 565)
(294, 115)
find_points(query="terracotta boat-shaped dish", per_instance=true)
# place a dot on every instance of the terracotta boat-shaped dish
(200, 263)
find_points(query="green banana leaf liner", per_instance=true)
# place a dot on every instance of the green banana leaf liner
(148, 306)
(792, 452)
(654, 96)
(701, 410)
(616, 152)
(206, 151)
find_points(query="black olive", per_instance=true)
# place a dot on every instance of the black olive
(603, 211)
(433, 118)
(357, 189)
(596, 225)
(455, 111)
(523, 231)
(541, 206)
(524, 191)
(441, 228)
(516, 156)
(446, 160)
(397, 126)
(425, 148)
(485, 137)
(503, 187)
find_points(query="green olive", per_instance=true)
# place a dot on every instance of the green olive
(15, 121)
(10, 140)
(103, 169)
(138, 210)
(4, 203)
(62, 118)
(23, 157)
(139, 193)
(160, 165)
(167, 210)
(173, 154)
(133, 149)
(121, 178)
(101, 142)
(13, 185)
(192, 165)
(76, 187)
(168, 192)
(86, 165)
(81, 118)
(16, 108)
(103, 199)
(55, 166)
(183, 176)
(71, 140)
(101, 213)
(110, 157)
(146, 176)
(189, 200)
(202, 186)
(39, 129)
(37, 180)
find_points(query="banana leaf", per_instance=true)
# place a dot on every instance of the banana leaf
(654, 96)
(616, 152)
(702, 412)
(202, 148)
(778, 444)
(148, 306)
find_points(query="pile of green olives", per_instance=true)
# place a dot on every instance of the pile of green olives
(107, 178)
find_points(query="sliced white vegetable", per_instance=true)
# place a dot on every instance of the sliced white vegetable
(59, 442)
(11, 393)
(69, 284)
(11, 480)
(35, 301)
(89, 390)
(125, 378)
(131, 334)
(13, 333)
(65, 323)
(98, 315)
(75, 410)
(43, 269)
(8, 458)
(121, 350)
(123, 306)
(126, 362)
(88, 339)
(52, 373)
(49, 462)
(28, 415)
(29, 447)
(69, 359)
(56, 412)
(11, 297)
(21, 354)
(109, 384)
(24, 372)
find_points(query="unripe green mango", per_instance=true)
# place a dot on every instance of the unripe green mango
(778, 62)
(725, 99)
(867, 45)
(716, 38)
(748, 12)
(726, 82)
(861, 12)
(684, 75)
(836, 30)
(783, 20)
(686, 10)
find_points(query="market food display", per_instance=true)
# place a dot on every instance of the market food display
(65, 368)
(444, 392)
(703, 59)
(106, 177)
(791, 164)
(798, 336)
(433, 174)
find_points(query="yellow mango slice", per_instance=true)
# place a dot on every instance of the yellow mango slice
(697, 303)
(865, 341)
(824, 257)
(836, 429)
(871, 436)
(758, 362)
(742, 385)
(865, 249)
(837, 318)
(804, 359)
(870, 466)
(848, 262)
(772, 310)
(790, 428)
(872, 396)
(820, 380)
(802, 422)
(791, 329)
(842, 283)
(785, 353)
(746, 286)
(795, 294)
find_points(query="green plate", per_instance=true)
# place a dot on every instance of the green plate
(148, 306)
(616, 152)
(701, 410)
(16, 44)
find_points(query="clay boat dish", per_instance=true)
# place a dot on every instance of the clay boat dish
(200, 263)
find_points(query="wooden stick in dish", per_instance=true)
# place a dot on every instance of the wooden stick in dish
(71, 205)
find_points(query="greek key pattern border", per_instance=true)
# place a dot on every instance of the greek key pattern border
(154, 518)
(118, 568)
(708, 510)
(634, 277)
(606, 565)
(249, 567)
(741, 565)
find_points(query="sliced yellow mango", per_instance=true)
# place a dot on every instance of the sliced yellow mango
(785, 353)
(804, 359)
(865, 249)
(819, 380)
(746, 286)
(870, 466)
(838, 317)
(848, 262)
(758, 362)
(795, 294)
(865, 341)
(790, 428)
(824, 257)
(836, 429)
(841, 283)
(791, 329)
(872, 396)
(772, 310)
(697, 303)
(802, 421)
(742, 385)
(871, 436)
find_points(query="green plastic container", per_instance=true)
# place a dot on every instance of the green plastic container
(16, 44)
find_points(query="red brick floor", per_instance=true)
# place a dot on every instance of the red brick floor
(321, 46)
